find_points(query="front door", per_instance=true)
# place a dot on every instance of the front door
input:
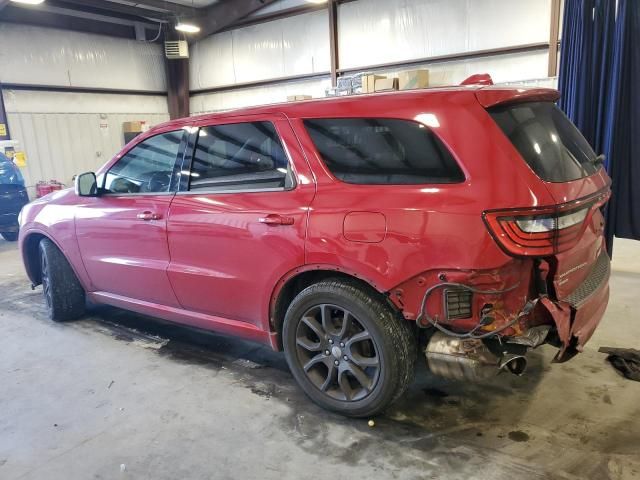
(238, 225)
(122, 234)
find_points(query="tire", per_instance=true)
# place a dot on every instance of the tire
(348, 349)
(64, 296)
(10, 236)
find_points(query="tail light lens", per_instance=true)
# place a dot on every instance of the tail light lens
(542, 231)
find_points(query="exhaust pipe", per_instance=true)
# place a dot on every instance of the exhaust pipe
(516, 364)
(468, 359)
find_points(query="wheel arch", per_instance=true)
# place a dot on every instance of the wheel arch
(31, 255)
(300, 278)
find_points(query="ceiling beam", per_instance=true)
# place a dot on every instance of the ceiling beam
(52, 7)
(225, 13)
(118, 8)
(30, 16)
(284, 13)
(164, 5)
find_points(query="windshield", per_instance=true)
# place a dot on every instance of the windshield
(547, 140)
(9, 173)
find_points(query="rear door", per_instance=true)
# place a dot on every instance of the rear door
(122, 234)
(238, 223)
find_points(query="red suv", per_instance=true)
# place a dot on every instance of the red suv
(351, 232)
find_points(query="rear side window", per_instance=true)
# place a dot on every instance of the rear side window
(240, 156)
(547, 140)
(380, 151)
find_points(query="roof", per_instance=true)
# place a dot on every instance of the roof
(488, 96)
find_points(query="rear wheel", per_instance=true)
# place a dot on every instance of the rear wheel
(10, 236)
(348, 350)
(62, 291)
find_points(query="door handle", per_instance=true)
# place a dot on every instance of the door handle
(147, 216)
(275, 219)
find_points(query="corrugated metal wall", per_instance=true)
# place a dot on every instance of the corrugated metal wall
(241, 97)
(383, 31)
(64, 134)
(370, 32)
(47, 56)
(290, 46)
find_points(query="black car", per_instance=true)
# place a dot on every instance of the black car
(13, 197)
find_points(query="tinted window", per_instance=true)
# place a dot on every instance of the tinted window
(239, 156)
(147, 167)
(547, 140)
(382, 151)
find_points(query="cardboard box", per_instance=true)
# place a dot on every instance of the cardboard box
(296, 98)
(369, 82)
(411, 79)
(386, 84)
(134, 127)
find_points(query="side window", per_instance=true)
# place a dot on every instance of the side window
(381, 151)
(147, 167)
(239, 156)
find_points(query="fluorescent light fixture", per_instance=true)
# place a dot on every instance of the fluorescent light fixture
(187, 27)
(29, 2)
(317, 1)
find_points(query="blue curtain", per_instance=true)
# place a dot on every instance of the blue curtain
(599, 66)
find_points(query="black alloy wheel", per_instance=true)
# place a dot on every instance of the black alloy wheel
(337, 352)
(348, 348)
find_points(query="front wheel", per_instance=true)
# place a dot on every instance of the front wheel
(348, 350)
(63, 293)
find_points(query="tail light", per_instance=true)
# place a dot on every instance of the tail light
(542, 231)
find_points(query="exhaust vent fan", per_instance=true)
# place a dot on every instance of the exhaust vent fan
(176, 49)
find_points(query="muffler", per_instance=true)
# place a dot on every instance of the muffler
(468, 359)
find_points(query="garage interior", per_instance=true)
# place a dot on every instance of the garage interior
(120, 395)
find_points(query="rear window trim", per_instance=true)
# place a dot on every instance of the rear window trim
(328, 171)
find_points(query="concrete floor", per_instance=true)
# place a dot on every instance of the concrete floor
(116, 396)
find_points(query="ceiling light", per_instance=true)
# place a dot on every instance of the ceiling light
(317, 1)
(29, 2)
(187, 27)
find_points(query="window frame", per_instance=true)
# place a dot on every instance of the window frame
(327, 170)
(185, 170)
(175, 173)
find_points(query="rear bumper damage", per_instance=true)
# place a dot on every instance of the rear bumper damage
(481, 322)
(577, 315)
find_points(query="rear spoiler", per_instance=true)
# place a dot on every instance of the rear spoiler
(490, 95)
(493, 96)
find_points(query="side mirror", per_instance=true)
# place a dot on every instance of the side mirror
(86, 185)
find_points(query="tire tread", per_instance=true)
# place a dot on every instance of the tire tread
(67, 295)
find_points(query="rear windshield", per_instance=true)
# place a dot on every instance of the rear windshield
(380, 151)
(547, 140)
